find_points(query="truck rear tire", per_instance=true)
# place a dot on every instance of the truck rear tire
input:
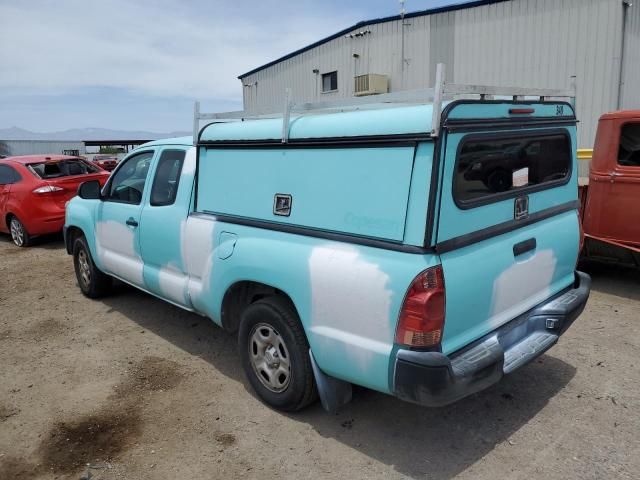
(275, 354)
(92, 282)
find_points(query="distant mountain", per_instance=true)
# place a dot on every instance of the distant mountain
(16, 133)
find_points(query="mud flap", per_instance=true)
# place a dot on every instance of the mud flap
(333, 393)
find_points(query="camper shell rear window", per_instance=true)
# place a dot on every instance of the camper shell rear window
(491, 168)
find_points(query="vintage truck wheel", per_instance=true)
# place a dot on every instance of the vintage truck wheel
(93, 283)
(275, 354)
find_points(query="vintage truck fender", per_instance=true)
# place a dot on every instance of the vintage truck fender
(347, 296)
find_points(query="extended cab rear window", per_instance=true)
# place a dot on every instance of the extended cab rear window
(62, 168)
(493, 168)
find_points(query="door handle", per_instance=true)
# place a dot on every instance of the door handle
(524, 247)
(132, 222)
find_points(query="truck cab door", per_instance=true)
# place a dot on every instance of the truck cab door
(622, 220)
(163, 223)
(118, 219)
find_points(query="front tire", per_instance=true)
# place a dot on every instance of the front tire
(19, 234)
(275, 354)
(92, 282)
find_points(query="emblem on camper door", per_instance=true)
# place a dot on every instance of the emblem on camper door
(521, 208)
(282, 205)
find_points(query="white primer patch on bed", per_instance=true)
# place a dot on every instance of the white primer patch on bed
(350, 295)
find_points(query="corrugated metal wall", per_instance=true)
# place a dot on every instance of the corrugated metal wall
(526, 43)
(35, 147)
(544, 43)
(631, 67)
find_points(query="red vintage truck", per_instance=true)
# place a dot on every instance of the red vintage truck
(610, 197)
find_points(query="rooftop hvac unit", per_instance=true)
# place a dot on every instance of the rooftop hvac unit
(370, 84)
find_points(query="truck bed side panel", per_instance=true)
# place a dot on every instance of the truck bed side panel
(348, 296)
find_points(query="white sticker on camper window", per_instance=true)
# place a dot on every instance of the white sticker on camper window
(521, 177)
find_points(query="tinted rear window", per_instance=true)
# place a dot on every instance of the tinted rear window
(62, 168)
(489, 169)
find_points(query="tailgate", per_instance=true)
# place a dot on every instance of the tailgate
(508, 230)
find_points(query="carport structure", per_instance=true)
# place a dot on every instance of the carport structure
(126, 145)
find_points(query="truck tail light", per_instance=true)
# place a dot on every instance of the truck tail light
(421, 318)
(48, 189)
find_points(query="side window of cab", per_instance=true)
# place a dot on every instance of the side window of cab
(127, 183)
(629, 152)
(167, 178)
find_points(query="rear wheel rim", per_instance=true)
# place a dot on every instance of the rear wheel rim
(269, 357)
(83, 268)
(17, 232)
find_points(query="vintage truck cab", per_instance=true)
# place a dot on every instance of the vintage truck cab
(423, 250)
(610, 197)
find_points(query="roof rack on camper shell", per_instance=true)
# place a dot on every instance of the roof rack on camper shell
(437, 95)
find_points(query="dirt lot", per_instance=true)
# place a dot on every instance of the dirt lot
(139, 389)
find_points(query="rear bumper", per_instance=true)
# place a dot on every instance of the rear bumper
(434, 379)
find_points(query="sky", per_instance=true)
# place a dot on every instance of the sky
(140, 64)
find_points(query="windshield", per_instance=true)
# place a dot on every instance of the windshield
(62, 168)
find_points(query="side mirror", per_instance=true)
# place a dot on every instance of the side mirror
(90, 190)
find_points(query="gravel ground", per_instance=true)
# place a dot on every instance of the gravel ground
(131, 387)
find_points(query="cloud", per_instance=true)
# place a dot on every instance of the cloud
(190, 49)
(139, 64)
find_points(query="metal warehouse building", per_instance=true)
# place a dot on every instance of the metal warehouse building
(524, 43)
(36, 147)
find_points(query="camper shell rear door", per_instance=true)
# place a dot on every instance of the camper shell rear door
(507, 226)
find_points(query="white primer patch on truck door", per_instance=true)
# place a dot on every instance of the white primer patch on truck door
(350, 304)
(173, 284)
(116, 249)
(198, 258)
(173, 277)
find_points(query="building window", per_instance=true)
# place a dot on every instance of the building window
(329, 82)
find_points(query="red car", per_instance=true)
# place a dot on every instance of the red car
(34, 191)
(106, 162)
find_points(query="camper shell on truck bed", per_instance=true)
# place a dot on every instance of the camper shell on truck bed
(422, 250)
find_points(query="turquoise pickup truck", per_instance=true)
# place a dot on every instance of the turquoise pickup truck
(365, 247)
